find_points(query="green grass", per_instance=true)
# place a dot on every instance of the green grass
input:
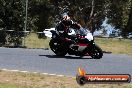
(7, 85)
(113, 45)
(32, 41)
(10, 79)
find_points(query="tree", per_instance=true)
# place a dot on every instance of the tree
(89, 13)
(40, 15)
(119, 14)
(128, 27)
(11, 17)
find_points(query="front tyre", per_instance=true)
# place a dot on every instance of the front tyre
(96, 52)
(57, 47)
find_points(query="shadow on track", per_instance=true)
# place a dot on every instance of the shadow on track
(66, 57)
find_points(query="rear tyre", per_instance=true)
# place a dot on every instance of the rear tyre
(57, 47)
(96, 52)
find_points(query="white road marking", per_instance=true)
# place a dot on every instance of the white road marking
(36, 73)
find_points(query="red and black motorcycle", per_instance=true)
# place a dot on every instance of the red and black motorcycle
(81, 43)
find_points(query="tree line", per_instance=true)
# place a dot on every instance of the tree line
(46, 13)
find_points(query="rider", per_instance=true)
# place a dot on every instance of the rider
(65, 24)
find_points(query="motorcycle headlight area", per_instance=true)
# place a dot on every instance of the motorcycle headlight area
(89, 36)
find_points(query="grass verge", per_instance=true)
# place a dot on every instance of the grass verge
(123, 46)
(10, 79)
(32, 41)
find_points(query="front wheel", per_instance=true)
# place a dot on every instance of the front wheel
(57, 47)
(96, 52)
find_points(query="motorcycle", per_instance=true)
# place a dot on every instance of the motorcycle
(80, 44)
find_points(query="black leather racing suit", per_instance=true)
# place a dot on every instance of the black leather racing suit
(64, 25)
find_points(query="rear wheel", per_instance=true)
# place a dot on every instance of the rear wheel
(96, 52)
(57, 48)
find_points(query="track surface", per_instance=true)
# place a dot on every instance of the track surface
(45, 61)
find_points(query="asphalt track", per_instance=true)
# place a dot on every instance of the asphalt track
(45, 61)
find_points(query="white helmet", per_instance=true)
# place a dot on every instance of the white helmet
(65, 16)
